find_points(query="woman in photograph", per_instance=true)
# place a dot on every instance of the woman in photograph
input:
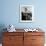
(26, 15)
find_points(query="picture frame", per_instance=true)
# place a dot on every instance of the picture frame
(26, 13)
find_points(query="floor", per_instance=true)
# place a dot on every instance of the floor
(0, 44)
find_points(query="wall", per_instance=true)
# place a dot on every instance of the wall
(10, 13)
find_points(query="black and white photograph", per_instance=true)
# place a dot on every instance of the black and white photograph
(26, 13)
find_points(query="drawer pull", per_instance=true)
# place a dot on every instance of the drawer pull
(33, 39)
(10, 38)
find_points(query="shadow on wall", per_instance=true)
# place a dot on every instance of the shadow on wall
(2, 26)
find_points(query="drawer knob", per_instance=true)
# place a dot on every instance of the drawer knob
(11, 38)
(33, 39)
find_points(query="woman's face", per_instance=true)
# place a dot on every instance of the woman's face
(26, 9)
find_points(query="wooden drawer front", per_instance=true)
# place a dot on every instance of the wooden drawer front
(20, 44)
(33, 33)
(27, 41)
(13, 33)
(6, 39)
(12, 39)
(37, 45)
(37, 39)
(33, 40)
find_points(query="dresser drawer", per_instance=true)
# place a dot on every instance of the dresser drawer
(13, 33)
(34, 33)
(37, 44)
(37, 39)
(12, 39)
(13, 44)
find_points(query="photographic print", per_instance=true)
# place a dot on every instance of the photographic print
(26, 13)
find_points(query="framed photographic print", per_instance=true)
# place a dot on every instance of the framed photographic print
(26, 13)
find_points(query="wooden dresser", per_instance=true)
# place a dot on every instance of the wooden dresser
(23, 38)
